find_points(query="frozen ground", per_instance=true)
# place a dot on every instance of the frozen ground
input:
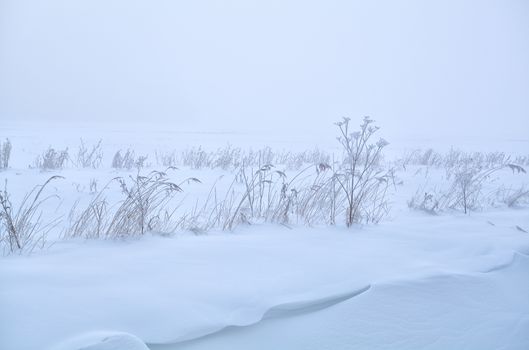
(415, 281)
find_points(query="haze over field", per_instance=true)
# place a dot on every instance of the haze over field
(443, 69)
(210, 174)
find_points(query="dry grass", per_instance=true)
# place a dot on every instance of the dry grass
(143, 209)
(52, 159)
(352, 189)
(362, 180)
(230, 158)
(23, 227)
(128, 160)
(455, 157)
(467, 180)
(513, 197)
(5, 154)
(89, 156)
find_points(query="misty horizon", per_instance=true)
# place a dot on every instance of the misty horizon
(449, 70)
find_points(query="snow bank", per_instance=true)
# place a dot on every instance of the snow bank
(452, 311)
(168, 290)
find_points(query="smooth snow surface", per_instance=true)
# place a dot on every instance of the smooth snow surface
(416, 282)
(471, 311)
(103, 341)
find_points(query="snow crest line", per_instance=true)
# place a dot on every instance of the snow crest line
(284, 310)
(307, 306)
(515, 257)
(424, 288)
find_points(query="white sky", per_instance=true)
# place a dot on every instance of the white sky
(447, 68)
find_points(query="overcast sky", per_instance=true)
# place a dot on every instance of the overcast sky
(418, 67)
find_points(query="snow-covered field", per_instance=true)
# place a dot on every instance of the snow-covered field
(414, 281)
(207, 175)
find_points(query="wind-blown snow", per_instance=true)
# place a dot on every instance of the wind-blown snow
(452, 311)
(402, 284)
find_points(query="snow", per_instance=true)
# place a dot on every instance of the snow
(103, 341)
(418, 273)
(414, 281)
(450, 311)
(169, 76)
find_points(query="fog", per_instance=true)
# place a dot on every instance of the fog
(437, 69)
